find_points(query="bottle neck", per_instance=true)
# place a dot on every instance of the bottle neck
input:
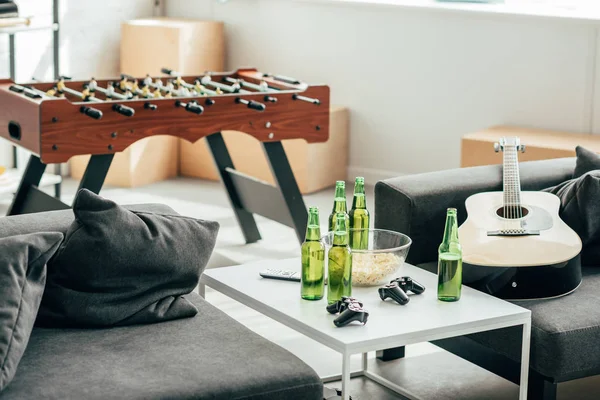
(451, 229)
(340, 238)
(339, 202)
(339, 205)
(359, 202)
(313, 229)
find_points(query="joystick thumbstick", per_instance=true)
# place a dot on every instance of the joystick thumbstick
(341, 305)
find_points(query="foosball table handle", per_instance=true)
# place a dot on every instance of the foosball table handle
(253, 105)
(150, 106)
(271, 99)
(124, 110)
(192, 107)
(307, 99)
(91, 112)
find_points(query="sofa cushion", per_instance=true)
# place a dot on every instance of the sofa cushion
(563, 343)
(60, 221)
(22, 277)
(587, 161)
(580, 209)
(209, 356)
(120, 267)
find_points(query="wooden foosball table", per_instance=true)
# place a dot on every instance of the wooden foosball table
(58, 120)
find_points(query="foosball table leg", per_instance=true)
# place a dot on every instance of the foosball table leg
(30, 199)
(286, 181)
(224, 163)
(95, 172)
(58, 186)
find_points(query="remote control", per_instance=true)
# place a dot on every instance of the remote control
(272, 273)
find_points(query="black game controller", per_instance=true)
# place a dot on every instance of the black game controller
(394, 292)
(407, 284)
(353, 312)
(341, 305)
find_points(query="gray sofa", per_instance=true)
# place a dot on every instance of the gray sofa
(565, 331)
(209, 356)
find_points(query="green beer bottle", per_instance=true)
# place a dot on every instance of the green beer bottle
(450, 261)
(339, 261)
(313, 259)
(359, 217)
(339, 204)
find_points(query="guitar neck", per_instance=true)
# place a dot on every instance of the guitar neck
(512, 182)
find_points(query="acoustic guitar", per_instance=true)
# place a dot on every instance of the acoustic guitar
(515, 246)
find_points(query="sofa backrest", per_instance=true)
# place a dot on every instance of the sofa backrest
(59, 221)
(416, 204)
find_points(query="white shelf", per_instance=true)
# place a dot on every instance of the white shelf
(28, 28)
(9, 181)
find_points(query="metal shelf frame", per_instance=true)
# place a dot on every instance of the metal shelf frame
(55, 28)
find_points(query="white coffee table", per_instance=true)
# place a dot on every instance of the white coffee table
(389, 325)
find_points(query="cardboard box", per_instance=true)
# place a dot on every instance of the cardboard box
(185, 45)
(315, 165)
(146, 161)
(188, 46)
(478, 148)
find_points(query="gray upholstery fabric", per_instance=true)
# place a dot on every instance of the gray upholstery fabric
(416, 205)
(566, 330)
(60, 221)
(209, 356)
(565, 333)
(22, 277)
(118, 267)
(587, 161)
(580, 209)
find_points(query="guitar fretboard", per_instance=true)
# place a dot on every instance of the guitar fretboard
(512, 183)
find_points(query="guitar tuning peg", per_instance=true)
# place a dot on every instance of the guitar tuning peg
(496, 147)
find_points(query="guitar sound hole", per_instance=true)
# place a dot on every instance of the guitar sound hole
(512, 212)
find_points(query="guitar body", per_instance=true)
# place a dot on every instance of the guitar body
(533, 255)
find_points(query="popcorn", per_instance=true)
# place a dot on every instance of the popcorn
(373, 269)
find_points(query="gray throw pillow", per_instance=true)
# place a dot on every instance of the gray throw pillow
(580, 209)
(121, 267)
(22, 277)
(587, 161)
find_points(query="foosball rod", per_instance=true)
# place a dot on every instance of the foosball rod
(27, 91)
(160, 87)
(207, 80)
(121, 109)
(109, 93)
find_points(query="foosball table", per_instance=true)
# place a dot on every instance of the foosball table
(58, 120)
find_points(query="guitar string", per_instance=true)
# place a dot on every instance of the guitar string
(512, 197)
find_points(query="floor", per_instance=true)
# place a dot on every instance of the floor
(427, 372)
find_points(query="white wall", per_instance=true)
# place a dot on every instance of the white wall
(90, 35)
(416, 80)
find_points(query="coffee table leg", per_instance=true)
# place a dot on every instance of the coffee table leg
(525, 361)
(345, 376)
(202, 290)
(364, 361)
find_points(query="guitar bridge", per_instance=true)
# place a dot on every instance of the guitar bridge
(513, 232)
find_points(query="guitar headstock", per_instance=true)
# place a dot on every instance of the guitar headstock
(510, 142)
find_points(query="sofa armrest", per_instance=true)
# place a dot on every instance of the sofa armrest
(416, 205)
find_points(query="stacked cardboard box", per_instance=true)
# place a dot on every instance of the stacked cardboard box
(315, 165)
(147, 45)
(477, 148)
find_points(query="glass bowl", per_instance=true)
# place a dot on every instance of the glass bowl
(379, 259)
